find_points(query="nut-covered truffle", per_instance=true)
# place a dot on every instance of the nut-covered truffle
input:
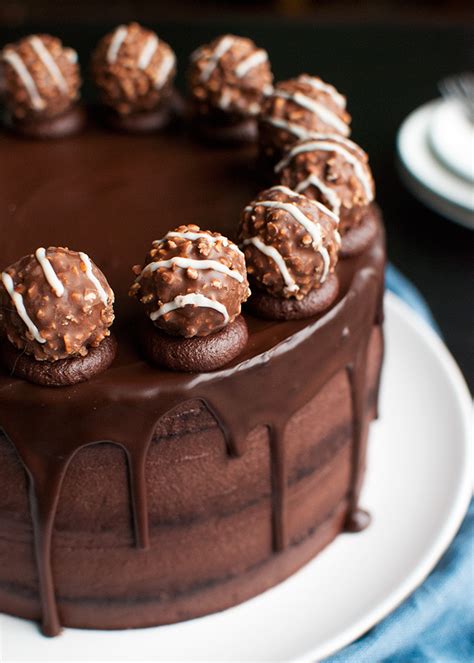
(333, 170)
(133, 69)
(297, 108)
(193, 282)
(55, 304)
(290, 242)
(42, 77)
(231, 76)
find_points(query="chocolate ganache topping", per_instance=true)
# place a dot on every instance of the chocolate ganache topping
(41, 76)
(290, 242)
(55, 304)
(333, 170)
(193, 282)
(297, 108)
(133, 69)
(231, 75)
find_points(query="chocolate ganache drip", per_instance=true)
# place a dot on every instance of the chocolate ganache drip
(298, 361)
(283, 366)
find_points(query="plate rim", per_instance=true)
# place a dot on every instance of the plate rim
(448, 529)
(449, 105)
(433, 201)
(446, 205)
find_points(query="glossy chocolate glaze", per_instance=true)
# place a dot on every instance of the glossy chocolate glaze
(110, 196)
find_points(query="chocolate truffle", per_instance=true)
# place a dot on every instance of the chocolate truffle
(228, 80)
(290, 242)
(296, 109)
(134, 71)
(193, 282)
(55, 304)
(42, 82)
(333, 170)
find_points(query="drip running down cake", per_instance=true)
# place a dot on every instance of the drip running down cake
(190, 354)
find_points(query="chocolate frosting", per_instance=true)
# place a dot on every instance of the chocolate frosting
(199, 354)
(68, 123)
(63, 372)
(129, 198)
(316, 301)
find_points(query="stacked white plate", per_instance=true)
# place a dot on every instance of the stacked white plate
(436, 156)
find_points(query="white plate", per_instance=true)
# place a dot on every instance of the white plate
(417, 489)
(451, 136)
(427, 177)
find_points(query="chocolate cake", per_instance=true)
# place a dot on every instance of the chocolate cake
(147, 494)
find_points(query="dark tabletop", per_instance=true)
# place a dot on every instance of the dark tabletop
(386, 72)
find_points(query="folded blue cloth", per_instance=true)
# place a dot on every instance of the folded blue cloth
(403, 288)
(436, 623)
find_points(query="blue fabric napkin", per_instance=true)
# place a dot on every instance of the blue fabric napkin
(436, 623)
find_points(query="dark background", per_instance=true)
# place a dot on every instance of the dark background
(385, 56)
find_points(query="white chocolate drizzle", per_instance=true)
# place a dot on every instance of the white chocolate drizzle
(147, 52)
(326, 210)
(323, 208)
(196, 54)
(93, 278)
(295, 129)
(17, 300)
(321, 86)
(225, 99)
(254, 108)
(254, 60)
(118, 38)
(318, 109)
(189, 263)
(331, 196)
(164, 69)
(222, 47)
(330, 144)
(311, 227)
(191, 299)
(15, 61)
(326, 263)
(275, 255)
(51, 66)
(71, 55)
(49, 273)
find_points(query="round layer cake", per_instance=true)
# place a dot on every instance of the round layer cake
(146, 496)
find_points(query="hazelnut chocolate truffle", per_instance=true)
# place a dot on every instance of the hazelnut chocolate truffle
(55, 304)
(333, 170)
(290, 243)
(134, 70)
(42, 82)
(193, 282)
(228, 81)
(296, 109)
